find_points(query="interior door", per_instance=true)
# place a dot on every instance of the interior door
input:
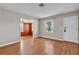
(71, 29)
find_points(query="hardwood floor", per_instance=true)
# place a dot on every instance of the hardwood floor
(40, 46)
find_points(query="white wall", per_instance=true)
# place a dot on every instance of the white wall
(21, 25)
(9, 27)
(57, 29)
(35, 26)
(58, 26)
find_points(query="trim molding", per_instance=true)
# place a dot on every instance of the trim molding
(9, 43)
(57, 39)
(52, 38)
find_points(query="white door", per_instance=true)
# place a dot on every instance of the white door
(71, 29)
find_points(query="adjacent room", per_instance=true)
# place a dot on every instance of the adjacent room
(39, 28)
(25, 27)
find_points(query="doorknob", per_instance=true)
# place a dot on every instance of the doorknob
(64, 29)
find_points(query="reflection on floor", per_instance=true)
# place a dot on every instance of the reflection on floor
(40, 46)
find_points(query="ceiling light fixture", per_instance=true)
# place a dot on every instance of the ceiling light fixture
(41, 5)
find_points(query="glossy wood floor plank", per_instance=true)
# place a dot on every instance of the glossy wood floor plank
(40, 46)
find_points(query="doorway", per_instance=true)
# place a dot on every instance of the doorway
(26, 28)
(71, 29)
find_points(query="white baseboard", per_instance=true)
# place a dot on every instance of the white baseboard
(8, 43)
(52, 38)
(35, 36)
(58, 39)
(73, 42)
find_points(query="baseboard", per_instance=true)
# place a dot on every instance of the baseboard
(35, 36)
(9, 43)
(52, 38)
(72, 42)
(57, 39)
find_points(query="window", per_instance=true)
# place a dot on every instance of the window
(48, 26)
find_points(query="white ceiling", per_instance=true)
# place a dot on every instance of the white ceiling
(32, 9)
